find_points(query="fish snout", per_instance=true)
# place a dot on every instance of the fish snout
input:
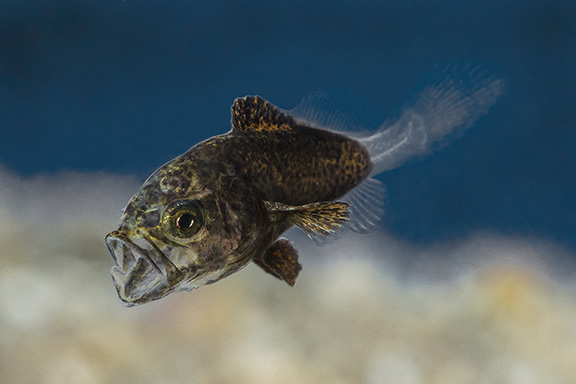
(137, 275)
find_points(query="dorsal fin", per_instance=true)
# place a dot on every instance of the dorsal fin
(253, 113)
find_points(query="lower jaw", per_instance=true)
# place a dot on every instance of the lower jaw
(132, 294)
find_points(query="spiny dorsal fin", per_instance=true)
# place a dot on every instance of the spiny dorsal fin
(253, 113)
(281, 260)
(322, 218)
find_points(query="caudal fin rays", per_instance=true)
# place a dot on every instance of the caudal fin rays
(439, 114)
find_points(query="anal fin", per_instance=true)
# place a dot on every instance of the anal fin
(367, 203)
(281, 260)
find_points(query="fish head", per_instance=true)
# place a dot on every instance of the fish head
(180, 231)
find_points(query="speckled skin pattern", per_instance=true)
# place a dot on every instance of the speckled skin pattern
(289, 162)
(266, 157)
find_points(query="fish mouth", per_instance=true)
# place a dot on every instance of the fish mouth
(142, 273)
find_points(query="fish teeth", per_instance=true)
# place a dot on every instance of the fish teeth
(128, 258)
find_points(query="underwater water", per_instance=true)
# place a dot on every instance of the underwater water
(366, 308)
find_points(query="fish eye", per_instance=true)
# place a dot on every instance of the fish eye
(182, 219)
(185, 220)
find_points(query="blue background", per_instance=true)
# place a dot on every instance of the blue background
(124, 86)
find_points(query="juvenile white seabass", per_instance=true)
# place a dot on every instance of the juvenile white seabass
(226, 201)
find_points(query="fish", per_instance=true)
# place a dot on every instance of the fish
(228, 200)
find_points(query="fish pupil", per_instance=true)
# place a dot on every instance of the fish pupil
(185, 221)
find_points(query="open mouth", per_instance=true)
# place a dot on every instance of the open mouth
(140, 274)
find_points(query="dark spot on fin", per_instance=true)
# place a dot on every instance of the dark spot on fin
(281, 260)
(253, 113)
(322, 218)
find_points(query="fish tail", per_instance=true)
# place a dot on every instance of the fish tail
(439, 114)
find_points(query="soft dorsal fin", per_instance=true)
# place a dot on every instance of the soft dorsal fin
(253, 113)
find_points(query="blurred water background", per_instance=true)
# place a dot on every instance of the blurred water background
(366, 309)
(470, 280)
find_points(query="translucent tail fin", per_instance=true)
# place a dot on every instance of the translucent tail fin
(440, 113)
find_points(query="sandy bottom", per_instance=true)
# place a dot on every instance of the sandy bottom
(366, 309)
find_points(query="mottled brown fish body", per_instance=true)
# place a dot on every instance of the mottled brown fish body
(297, 166)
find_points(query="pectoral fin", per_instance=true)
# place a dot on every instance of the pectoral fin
(322, 218)
(281, 260)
